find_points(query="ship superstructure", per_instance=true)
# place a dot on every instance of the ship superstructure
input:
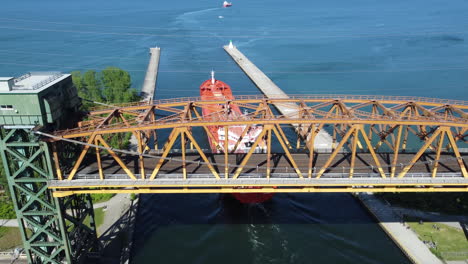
(213, 89)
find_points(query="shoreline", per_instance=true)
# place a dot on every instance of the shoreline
(391, 224)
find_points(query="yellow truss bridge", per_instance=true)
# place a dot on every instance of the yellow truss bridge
(375, 143)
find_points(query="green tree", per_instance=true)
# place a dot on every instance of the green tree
(93, 86)
(78, 81)
(116, 83)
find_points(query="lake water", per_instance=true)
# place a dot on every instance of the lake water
(401, 47)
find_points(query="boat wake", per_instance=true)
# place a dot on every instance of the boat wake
(193, 16)
(267, 238)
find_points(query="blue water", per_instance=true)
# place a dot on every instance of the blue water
(400, 47)
(417, 47)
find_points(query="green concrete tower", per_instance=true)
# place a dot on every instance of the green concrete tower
(53, 230)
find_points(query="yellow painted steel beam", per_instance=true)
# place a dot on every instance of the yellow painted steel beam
(80, 158)
(440, 145)
(226, 152)
(266, 190)
(200, 152)
(456, 152)
(335, 152)
(207, 131)
(286, 151)
(58, 171)
(242, 185)
(311, 143)
(251, 150)
(141, 150)
(184, 165)
(419, 153)
(167, 147)
(306, 98)
(116, 158)
(268, 157)
(98, 158)
(272, 121)
(396, 148)
(353, 153)
(371, 150)
(239, 140)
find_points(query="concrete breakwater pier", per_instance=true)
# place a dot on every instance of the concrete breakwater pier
(149, 85)
(323, 141)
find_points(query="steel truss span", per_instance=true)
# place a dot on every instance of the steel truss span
(376, 143)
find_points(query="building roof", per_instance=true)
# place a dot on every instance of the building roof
(34, 82)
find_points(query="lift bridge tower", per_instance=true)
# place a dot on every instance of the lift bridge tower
(53, 230)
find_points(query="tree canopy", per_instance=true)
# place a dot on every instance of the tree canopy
(111, 85)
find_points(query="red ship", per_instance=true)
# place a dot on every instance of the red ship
(217, 90)
(213, 89)
(227, 4)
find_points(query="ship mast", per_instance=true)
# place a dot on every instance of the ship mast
(212, 77)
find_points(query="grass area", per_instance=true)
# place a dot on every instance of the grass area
(99, 216)
(10, 237)
(101, 197)
(446, 242)
(6, 208)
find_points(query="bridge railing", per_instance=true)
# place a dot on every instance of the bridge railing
(307, 97)
(280, 175)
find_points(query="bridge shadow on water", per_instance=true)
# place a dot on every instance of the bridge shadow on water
(290, 228)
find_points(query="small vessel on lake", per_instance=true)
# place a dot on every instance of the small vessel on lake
(227, 4)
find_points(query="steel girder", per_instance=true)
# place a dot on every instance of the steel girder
(356, 124)
(44, 221)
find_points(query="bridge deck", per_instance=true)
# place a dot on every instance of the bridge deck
(282, 179)
(279, 164)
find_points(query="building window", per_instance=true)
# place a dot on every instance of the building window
(6, 107)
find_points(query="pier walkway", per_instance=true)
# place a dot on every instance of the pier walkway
(323, 140)
(391, 223)
(149, 85)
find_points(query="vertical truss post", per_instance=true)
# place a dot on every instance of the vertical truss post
(141, 160)
(353, 153)
(268, 154)
(56, 161)
(184, 163)
(311, 149)
(226, 152)
(98, 158)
